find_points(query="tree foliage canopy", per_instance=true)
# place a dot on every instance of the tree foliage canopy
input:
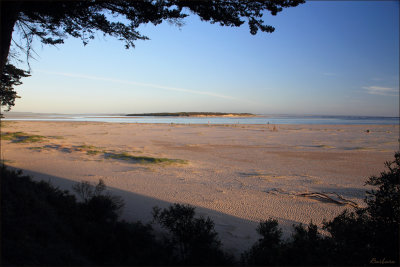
(10, 77)
(384, 202)
(53, 21)
(193, 241)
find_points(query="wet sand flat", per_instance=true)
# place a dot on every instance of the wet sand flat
(237, 174)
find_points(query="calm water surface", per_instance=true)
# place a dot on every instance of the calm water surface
(261, 119)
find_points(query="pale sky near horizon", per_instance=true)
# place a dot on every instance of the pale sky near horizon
(326, 58)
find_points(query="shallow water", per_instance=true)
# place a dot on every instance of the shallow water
(261, 119)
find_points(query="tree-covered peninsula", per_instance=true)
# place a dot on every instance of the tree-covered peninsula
(194, 114)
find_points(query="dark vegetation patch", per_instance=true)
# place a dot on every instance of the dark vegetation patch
(86, 147)
(89, 149)
(56, 137)
(141, 159)
(37, 148)
(93, 150)
(21, 137)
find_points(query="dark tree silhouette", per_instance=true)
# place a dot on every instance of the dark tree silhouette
(42, 225)
(306, 248)
(53, 21)
(10, 77)
(384, 202)
(268, 249)
(193, 241)
(372, 233)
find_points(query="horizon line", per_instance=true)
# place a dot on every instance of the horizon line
(257, 114)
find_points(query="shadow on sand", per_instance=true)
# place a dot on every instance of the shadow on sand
(236, 234)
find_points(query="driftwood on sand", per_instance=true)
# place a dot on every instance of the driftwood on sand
(330, 197)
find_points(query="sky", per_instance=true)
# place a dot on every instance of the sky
(324, 58)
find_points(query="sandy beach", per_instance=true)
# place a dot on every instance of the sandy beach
(236, 174)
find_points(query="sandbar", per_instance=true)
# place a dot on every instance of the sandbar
(236, 174)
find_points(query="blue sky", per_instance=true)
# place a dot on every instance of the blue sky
(328, 58)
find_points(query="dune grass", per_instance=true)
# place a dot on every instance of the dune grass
(93, 150)
(84, 147)
(21, 137)
(141, 159)
(56, 137)
(89, 149)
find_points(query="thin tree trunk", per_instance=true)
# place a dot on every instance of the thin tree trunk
(9, 11)
(9, 16)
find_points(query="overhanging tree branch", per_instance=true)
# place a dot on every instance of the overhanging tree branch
(53, 21)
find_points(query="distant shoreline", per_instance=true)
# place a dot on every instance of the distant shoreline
(194, 114)
(206, 118)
